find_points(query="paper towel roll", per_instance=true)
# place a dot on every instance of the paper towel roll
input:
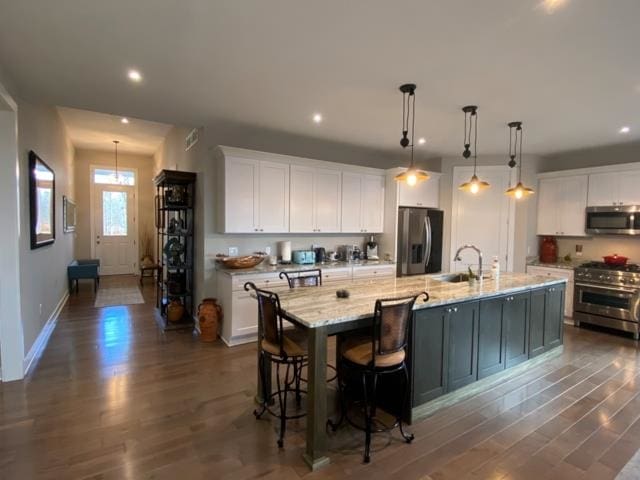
(284, 250)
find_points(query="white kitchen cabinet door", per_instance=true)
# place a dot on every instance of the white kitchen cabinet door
(245, 315)
(241, 178)
(548, 199)
(372, 203)
(351, 202)
(327, 200)
(561, 205)
(629, 187)
(425, 194)
(573, 194)
(603, 189)
(301, 199)
(273, 197)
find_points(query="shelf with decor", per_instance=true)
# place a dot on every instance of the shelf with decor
(174, 221)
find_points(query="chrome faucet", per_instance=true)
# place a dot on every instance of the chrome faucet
(472, 247)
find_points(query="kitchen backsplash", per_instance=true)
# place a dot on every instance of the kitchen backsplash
(253, 243)
(594, 248)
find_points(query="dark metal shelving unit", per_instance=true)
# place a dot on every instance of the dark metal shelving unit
(175, 196)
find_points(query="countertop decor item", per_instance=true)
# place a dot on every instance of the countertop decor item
(342, 293)
(519, 191)
(412, 175)
(244, 261)
(209, 318)
(548, 250)
(474, 185)
(615, 259)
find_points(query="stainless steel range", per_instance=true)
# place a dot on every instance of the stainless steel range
(608, 296)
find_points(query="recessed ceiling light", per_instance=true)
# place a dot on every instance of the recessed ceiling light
(317, 117)
(124, 120)
(134, 75)
(422, 140)
(625, 130)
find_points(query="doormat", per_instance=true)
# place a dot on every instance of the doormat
(110, 296)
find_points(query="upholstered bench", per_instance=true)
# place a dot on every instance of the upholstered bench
(79, 269)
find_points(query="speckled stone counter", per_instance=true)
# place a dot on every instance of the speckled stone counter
(264, 267)
(319, 306)
(560, 264)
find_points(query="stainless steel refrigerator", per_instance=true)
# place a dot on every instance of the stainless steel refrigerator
(419, 241)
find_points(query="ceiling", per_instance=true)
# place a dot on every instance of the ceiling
(570, 73)
(97, 131)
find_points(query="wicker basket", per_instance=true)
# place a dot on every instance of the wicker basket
(246, 261)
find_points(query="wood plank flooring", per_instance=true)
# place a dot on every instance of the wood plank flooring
(113, 397)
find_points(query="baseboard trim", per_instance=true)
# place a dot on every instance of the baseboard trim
(239, 340)
(43, 337)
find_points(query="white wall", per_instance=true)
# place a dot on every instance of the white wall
(43, 272)
(525, 240)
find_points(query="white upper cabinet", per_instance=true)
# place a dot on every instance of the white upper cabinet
(424, 194)
(362, 203)
(561, 205)
(241, 202)
(256, 196)
(615, 188)
(315, 200)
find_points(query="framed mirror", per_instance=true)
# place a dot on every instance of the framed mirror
(42, 202)
(68, 215)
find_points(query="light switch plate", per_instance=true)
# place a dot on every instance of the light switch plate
(233, 251)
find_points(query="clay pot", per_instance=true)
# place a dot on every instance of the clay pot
(548, 250)
(175, 311)
(209, 316)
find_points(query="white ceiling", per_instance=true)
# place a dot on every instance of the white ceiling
(97, 131)
(572, 76)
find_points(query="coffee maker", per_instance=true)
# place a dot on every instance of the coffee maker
(372, 249)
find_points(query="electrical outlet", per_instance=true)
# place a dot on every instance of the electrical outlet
(233, 251)
(267, 250)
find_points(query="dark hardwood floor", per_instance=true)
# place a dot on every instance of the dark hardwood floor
(113, 397)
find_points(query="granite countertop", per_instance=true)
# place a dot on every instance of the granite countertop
(319, 306)
(264, 267)
(571, 265)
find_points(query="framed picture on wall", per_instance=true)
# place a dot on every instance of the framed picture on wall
(68, 215)
(42, 202)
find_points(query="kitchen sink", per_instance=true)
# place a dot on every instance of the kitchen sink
(453, 278)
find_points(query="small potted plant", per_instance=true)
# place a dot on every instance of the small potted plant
(472, 277)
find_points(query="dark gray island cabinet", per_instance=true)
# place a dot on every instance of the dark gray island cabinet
(455, 345)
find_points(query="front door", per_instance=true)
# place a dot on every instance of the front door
(114, 228)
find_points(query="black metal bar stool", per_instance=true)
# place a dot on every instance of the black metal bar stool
(382, 352)
(282, 347)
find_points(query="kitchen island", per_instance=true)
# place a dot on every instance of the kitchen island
(464, 334)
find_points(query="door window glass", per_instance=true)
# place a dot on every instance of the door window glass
(114, 214)
(109, 177)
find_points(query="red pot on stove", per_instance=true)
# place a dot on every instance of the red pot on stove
(615, 259)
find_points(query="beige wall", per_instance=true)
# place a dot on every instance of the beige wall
(43, 272)
(146, 193)
(525, 239)
(594, 248)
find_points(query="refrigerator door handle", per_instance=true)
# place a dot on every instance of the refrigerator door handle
(406, 247)
(427, 241)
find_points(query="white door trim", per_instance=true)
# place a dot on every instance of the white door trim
(92, 169)
(511, 216)
(11, 331)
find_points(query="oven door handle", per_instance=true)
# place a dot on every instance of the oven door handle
(602, 287)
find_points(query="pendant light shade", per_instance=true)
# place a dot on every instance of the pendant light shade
(515, 150)
(474, 185)
(412, 175)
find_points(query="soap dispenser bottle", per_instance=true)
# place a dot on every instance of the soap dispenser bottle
(495, 268)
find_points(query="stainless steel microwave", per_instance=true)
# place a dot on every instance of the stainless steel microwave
(614, 220)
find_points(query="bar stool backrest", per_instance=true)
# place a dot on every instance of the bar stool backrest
(268, 315)
(303, 278)
(391, 324)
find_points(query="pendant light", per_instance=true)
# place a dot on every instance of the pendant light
(474, 185)
(412, 175)
(515, 137)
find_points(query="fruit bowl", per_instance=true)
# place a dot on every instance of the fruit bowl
(244, 261)
(615, 259)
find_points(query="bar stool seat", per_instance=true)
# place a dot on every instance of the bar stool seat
(358, 350)
(294, 344)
